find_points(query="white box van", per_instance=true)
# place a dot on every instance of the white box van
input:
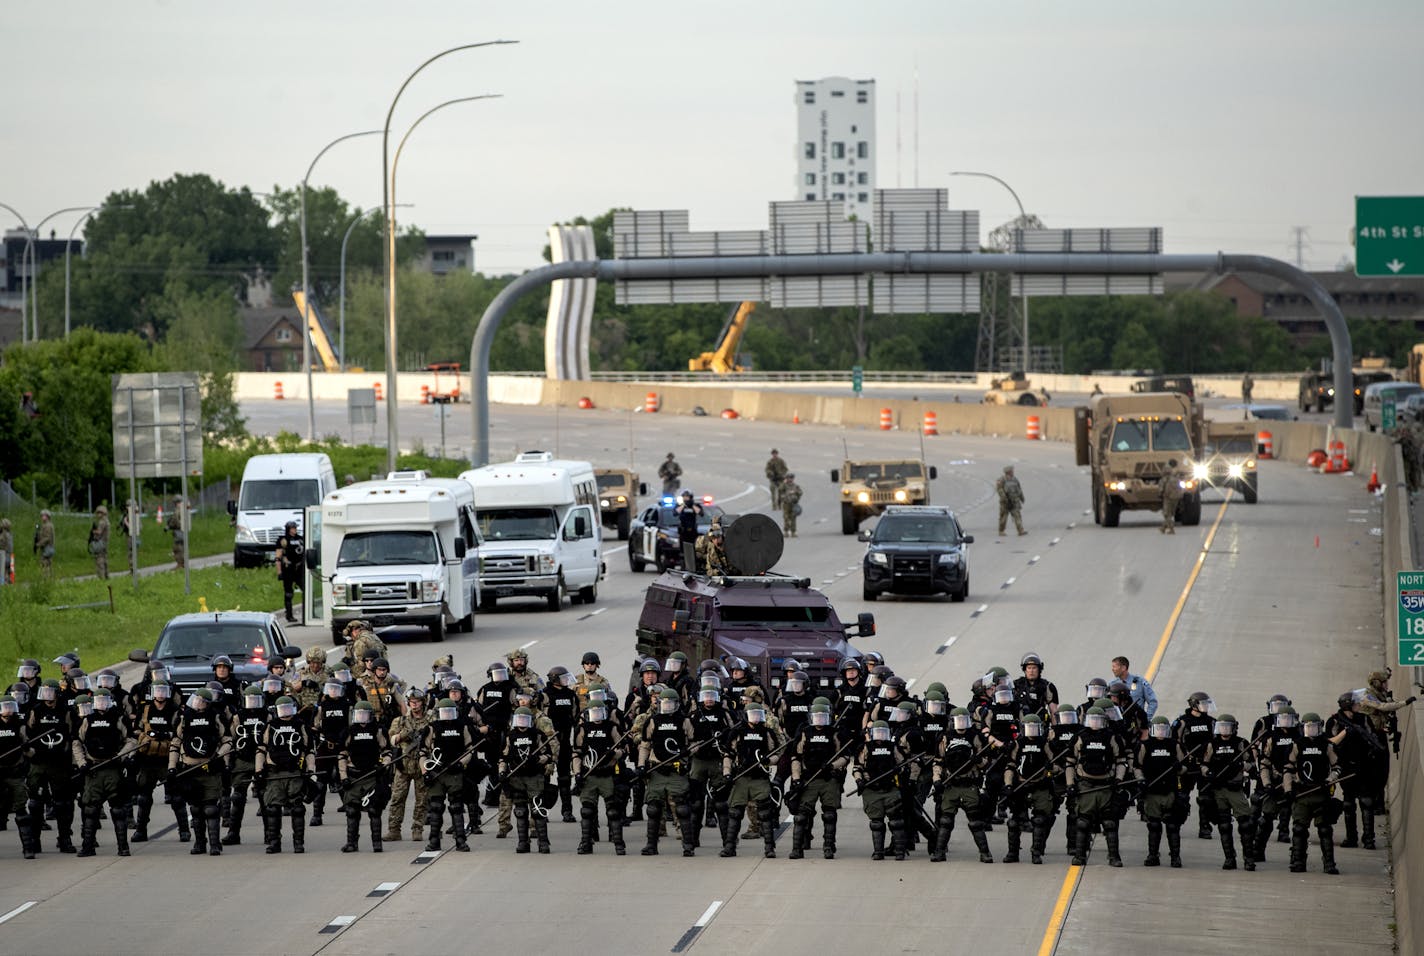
(1375, 395)
(538, 519)
(399, 551)
(275, 489)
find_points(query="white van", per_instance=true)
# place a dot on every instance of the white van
(275, 489)
(399, 551)
(1375, 395)
(538, 519)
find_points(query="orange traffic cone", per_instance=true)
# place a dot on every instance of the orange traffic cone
(796, 417)
(1374, 483)
(160, 514)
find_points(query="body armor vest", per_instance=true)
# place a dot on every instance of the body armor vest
(668, 738)
(285, 745)
(102, 735)
(1159, 762)
(597, 741)
(363, 747)
(200, 735)
(1095, 753)
(880, 759)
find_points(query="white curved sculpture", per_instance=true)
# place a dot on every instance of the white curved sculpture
(566, 332)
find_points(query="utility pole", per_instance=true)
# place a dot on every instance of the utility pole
(1300, 243)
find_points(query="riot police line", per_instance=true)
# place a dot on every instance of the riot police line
(686, 750)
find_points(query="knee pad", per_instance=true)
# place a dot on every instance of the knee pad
(1323, 832)
(683, 811)
(1110, 825)
(828, 817)
(877, 825)
(588, 811)
(521, 811)
(211, 811)
(653, 810)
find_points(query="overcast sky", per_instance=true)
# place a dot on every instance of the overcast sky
(1226, 123)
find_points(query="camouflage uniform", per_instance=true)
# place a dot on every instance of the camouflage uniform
(775, 474)
(99, 542)
(1011, 499)
(1379, 706)
(1171, 495)
(174, 524)
(362, 639)
(406, 731)
(790, 504)
(711, 552)
(44, 543)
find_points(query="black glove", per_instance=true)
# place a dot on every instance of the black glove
(1410, 699)
(640, 771)
(343, 785)
(171, 777)
(260, 777)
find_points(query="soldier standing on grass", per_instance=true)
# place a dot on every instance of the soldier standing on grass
(7, 550)
(289, 565)
(44, 543)
(99, 542)
(174, 524)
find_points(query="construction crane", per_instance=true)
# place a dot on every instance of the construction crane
(321, 341)
(722, 360)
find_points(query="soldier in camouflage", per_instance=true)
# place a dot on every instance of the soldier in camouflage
(406, 732)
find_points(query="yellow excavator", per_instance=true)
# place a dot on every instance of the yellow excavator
(722, 360)
(321, 342)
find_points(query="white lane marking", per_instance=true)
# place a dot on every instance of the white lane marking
(425, 856)
(1086, 512)
(706, 917)
(1073, 524)
(949, 643)
(338, 924)
(1359, 511)
(1007, 583)
(525, 647)
(1035, 559)
(384, 889)
(841, 574)
(827, 580)
(1054, 541)
(18, 910)
(980, 610)
(851, 567)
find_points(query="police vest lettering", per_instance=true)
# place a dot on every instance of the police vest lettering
(851, 700)
(494, 703)
(818, 746)
(1223, 765)
(284, 745)
(51, 735)
(363, 748)
(753, 745)
(705, 725)
(520, 745)
(597, 740)
(159, 723)
(1095, 756)
(1158, 762)
(200, 736)
(12, 739)
(960, 755)
(668, 739)
(933, 727)
(562, 708)
(1033, 758)
(880, 760)
(1196, 731)
(1003, 721)
(102, 736)
(1281, 741)
(1312, 762)
(246, 735)
(335, 716)
(797, 712)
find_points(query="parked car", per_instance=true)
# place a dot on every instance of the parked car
(1413, 409)
(189, 642)
(652, 538)
(916, 549)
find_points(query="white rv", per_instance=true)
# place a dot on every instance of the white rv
(538, 518)
(275, 489)
(400, 551)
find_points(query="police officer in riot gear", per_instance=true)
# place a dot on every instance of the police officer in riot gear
(820, 756)
(1193, 731)
(247, 725)
(284, 762)
(1226, 765)
(663, 741)
(446, 748)
(1065, 731)
(1034, 692)
(560, 705)
(1356, 749)
(1311, 778)
(197, 760)
(706, 781)
(363, 769)
(598, 771)
(1159, 771)
(1095, 768)
(1271, 801)
(957, 776)
(1029, 789)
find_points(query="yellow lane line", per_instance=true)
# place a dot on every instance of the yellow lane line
(1074, 876)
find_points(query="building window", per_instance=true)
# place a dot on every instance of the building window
(862, 197)
(838, 150)
(862, 150)
(836, 94)
(811, 196)
(838, 179)
(810, 179)
(809, 96)
(861, 96)
(862, 179)
(810, 151)
(443, 255)
(284, 334)
(838, 196)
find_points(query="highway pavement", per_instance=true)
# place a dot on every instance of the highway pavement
(1279, 596)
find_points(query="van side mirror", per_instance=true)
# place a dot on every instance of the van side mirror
(934, 472)
(642, 487)
(460, 548)
(865, 624)
(863, 534)
(311, 558)
(291, 652)
(836, 475)
(232, 508)
(969, 539)
(139, 656)
(581, 526)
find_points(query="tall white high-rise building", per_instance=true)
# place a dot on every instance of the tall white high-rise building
(835, 149)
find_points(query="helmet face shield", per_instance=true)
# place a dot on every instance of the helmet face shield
(1311, 728)
(80, 683)
(272, 685)
(9, 708)
(565, 679)
(596, 715)
(84, 708)
(45, 692)
(27, 672)
(935, 707)
(1003, 695)
(709, 696)
(962, 721)
(1224, 728)
(711, 682)
(1161, 731)
(880, 733)
(1096, 721)
(1033, 728)
(523, 721)
(1286, 721)
(667, 706)
(1067, 717)
(447, 713)
(343, 674)
(360, 716)
(795, 685)
(334, 689)
(756, 714)
(820, 718)
(197, 702)
(1114, 713)
(1097, 691)
(103, 702)
(253, 701)
(286, 711)
(672, 665)
(1276, 705)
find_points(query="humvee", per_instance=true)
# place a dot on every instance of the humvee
(867, 487)
(618, 491)
(1229, 458)
(1012, 389)
(761, 617)
(1130, 442)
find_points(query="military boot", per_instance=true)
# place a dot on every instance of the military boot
(1041, 827)
(318, 806)
(200, 832)
(687, 828)
(180, 814)
(729, 840)
(375, 821)
(1174, 846)
(1228, 845)
(1248, 839)
(1300, 836)
(521, 827)
(88, 827)
(1261, 835)
(799, 826)
(981, 840)
(1154, 843)
(654, 816)
(272, 830)
(541, 832)
(587, 814)
(233, 837)
(299, 831)
(566, 800)
(615, 830)
(877, 839)
(457, 815)
(120, 818)
(768, 830)
(144, 810)
(1367, 824)
(1015, 841)
(473, 816)
(214, 821)
(897, 838)
(943, 831)
(64, 824)
(1283, 828)
(1110, 837)
(434, 811)
(1071, 833)
(29, 835)
(353, 833)
(1327, 850)
(1083, 834)
(1352, 828)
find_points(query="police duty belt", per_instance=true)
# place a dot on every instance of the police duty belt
(862, 787)
(382, 764)
(204, 765)
(800, 785)
(435, 762)
(1148, 785)
(514, 772)
(683, 755)
(1033, 777)
(1327, 785)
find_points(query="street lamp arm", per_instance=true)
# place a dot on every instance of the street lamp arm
(33, 260)
(395, 160)
(1023, 217)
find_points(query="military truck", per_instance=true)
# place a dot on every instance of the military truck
(868, 487)
(1229, 459)
(760, 617)
(618, 491)
(1130, 442)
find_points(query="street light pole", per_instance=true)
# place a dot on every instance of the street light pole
(341, 347)
(1023, 223)
(67, 247)
(24, 277)
(308, 313)
(392, 428)
(29, 244)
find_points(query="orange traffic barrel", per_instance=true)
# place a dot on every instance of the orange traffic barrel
(931, 425)
(425, 394)
(1265, 445)
(1034, 431)
(650, 402)
(278, 392)
(887, 420)
(377, 387)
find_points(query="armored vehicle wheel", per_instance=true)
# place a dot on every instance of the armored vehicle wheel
(848, 522)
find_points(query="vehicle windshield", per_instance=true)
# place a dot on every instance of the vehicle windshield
(1170, 435)
(1398, 393)
(894, 469)
(775, 615)
(210, 638)
(278, 494)
(1129, 435)
(609, 481)
(914, 530)
(518, 524)
(1236, 445)
(367, 549)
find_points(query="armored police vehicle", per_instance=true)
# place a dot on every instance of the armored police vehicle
(760, 617)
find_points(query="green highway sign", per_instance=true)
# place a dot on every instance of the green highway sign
(1387, 415)
(1410, 585)
(857, 378)
(1389, 235)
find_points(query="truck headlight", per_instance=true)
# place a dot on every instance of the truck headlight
(1199, 471)
(1235, 471)
(901, 497)
(605, 503)
(245, 535)
(338, 591)
(951, 558)
(1117, 486)
(546, 564)
(878, 557)
(429, 591)
(1188, 484)
(862, 497)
